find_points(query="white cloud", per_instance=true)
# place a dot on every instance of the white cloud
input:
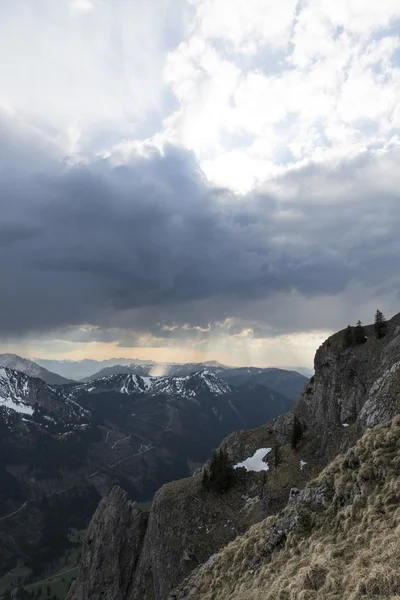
(360, 17)
(259, 86)
(81, 6)
(246, 25)
(204, 83)
(333, 93)
(101, 74)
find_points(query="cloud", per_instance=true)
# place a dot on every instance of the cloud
(246, 25)
(81, 6)
(87, 67)
(200, 173)
(150, 253)
(299, 82)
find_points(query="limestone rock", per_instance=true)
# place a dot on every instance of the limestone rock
(111, 549)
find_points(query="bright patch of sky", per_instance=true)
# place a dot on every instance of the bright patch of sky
(253, 87)
(319, 82)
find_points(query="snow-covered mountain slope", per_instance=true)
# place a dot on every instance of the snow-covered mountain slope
(283, 381)
(13, 361)
(189, 386)
(12, 396)
(31, 396)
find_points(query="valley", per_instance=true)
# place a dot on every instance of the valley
(63, 447)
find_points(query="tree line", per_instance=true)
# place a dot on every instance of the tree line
(356, 335)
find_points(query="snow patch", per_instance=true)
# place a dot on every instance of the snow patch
(255, 462)
(302, 464)
(23, 409)
(345, 424)
(148, 382)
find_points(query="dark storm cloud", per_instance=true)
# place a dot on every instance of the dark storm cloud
(150, 243)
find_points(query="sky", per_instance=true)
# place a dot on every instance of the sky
(197, 179)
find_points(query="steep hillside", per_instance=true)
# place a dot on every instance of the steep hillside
(353, 388)
(338, 538)
(13, 361)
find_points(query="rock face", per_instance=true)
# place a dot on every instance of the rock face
(111, 549)
(186, 523)
(356, 387)
(353, 389)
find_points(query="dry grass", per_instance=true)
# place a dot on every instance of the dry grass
(350, 549)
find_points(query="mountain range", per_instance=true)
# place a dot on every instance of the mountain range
(282, 381)
(62, 447)
(87, 369)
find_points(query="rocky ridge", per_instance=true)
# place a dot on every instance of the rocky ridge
(117, 521)
(352, 390)
(32, 369)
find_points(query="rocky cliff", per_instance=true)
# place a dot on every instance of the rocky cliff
(111, 549)
(353, 388)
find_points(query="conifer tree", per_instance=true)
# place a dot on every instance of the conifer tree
(359, 333)
(348, 339)
(380, 325)
(220, 474)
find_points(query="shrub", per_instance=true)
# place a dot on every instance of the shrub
(219, 476)
(359, 333)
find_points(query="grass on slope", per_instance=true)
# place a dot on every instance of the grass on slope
(347, 550)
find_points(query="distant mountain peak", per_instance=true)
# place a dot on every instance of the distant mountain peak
(30, 368)
(24, 394)
(185, 386)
